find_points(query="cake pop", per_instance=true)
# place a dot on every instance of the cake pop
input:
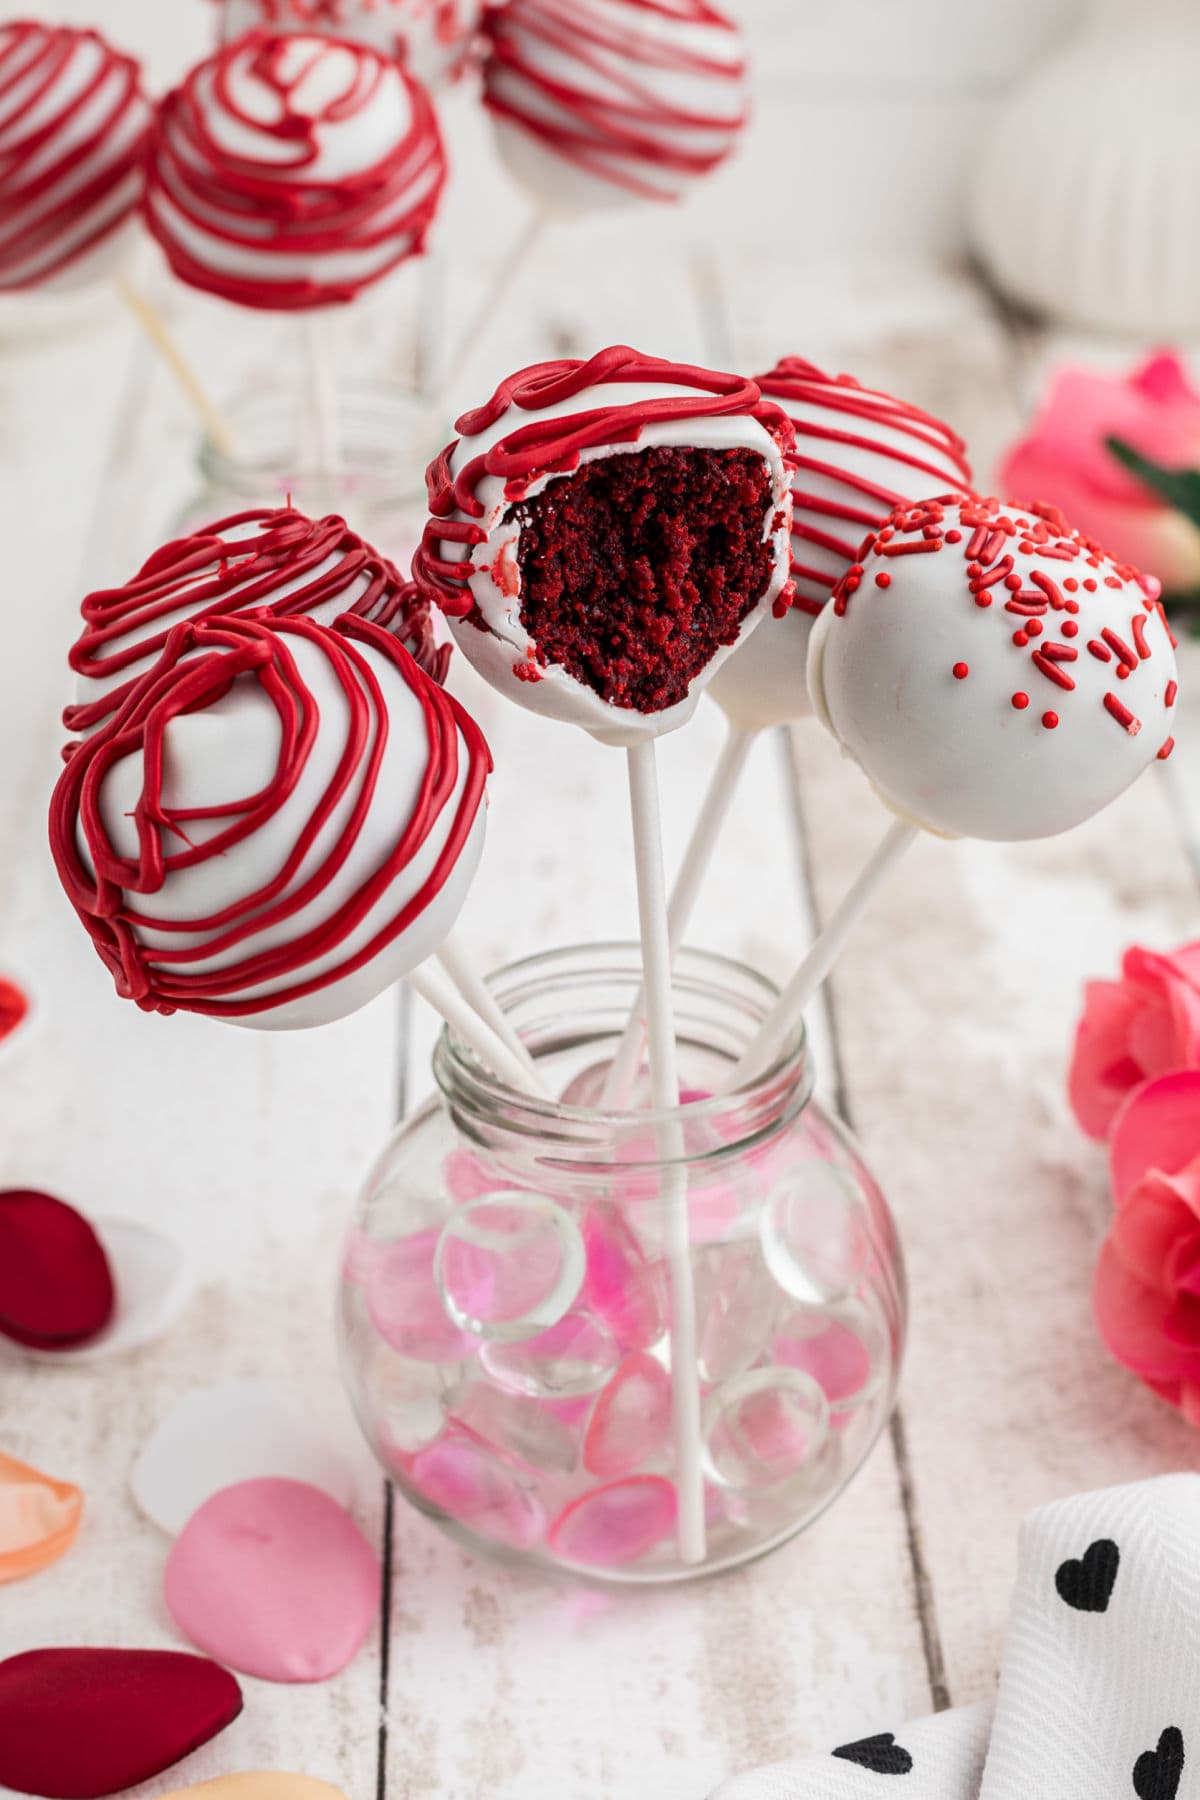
(860, 453)
(992, 671)
(603, 534)
(276, 560)
(73, 129)
(433, 38)
(995, 675)
(290, 172)
(282, 819)
(599, 102)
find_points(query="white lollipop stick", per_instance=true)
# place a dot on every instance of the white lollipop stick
(155, 328)
(439, 993)
(494, 294)
(479, 996)
(773, 1033)
(714, 810)
(320, 351)
(669, 1142)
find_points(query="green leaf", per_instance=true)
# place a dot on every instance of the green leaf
(1180, 488)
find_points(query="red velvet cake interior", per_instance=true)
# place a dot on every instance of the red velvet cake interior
(638, 568)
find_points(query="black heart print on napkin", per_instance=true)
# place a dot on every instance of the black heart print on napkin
(1087, 1582)
(1156, 1772)
(883, 1756)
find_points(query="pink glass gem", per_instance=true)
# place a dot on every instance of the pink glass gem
(467, 1177)
(515, 1425)
(840, 1359)
(615, 1525)
(765, 1428)
(736, 1305)
(465, 1481)
(576, 1356)
(405, 1305)
(509, 1265)
(621, 1286)
(631, 1423)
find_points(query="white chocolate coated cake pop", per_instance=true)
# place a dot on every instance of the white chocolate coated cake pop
(599, 102)
(604, 533)
(291, 172)
(993, 672)
(73, 129)
(860, 453)
(282, 820)
(275, 560)
(433, 38)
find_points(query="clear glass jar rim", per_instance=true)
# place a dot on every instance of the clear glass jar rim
(463, 1078)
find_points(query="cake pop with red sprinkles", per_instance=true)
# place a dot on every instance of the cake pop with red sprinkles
(604, 533)
(1008, 680)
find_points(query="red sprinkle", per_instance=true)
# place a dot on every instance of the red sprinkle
(1070, 628)
(1020, 701)
(1050, 721)
(1138, 629)
(1172, 690)
(1166, 750)
(1100, 651)
(1020, 638)
(961, 671)
(14, 1005)
(1122, 714)
(883, 579)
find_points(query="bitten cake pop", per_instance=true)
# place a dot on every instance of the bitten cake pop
(599, 102)
(282, 820)
(431, 37)
(603, 534)
(73, 129)
(993, 672)
(275, 560)
(860, 453)
(291, 172)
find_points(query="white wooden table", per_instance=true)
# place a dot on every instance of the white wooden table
(945, 1045)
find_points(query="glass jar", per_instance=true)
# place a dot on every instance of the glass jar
(524, 1338)
(386, 437)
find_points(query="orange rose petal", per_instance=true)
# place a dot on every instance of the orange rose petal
(39, 1518)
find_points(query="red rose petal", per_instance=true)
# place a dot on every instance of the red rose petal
(56, 1288)
(1158, 1127)
(75, 1724)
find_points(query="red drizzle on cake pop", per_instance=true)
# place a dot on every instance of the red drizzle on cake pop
(999, 540)
(594, 82)
(276, 561)
(197, 670)
(432, 37)
(249, 192)
(73, 128)
(552, 445)
(855, 420)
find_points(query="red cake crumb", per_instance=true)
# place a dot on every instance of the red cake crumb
(640, 567)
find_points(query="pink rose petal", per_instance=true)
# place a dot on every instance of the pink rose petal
(1158, 1127)
(273, 1578)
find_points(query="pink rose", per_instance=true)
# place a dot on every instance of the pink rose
(1147, 1292)
(1146, 1024)
(1064, 458)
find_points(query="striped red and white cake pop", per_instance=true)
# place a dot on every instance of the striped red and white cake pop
(73, 129)
(860, 453)
(992, 671)
(597, 102)
(276, 560)
(290, 172)
(282, 820)
(603, 533)
(432, 38)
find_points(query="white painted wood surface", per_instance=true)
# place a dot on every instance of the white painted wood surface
(950, 1023)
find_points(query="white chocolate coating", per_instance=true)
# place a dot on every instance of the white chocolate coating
(506, 644)
(860, 454)
(72, 123)
(230, 749)
(1001, 749)
(431, 37)
(599, 103)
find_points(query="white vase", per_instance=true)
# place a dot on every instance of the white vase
(1086, 204)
